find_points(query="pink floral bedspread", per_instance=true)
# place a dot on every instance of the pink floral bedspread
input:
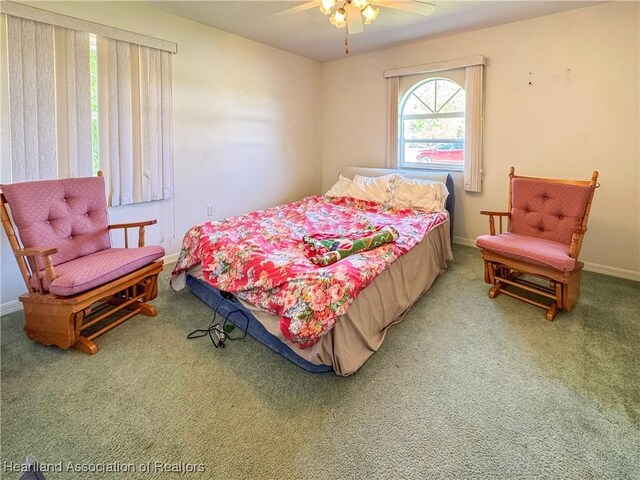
(260, 257)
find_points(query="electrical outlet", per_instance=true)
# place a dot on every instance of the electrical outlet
(210, 210)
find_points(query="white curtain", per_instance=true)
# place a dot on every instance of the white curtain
(73, 103)
(135, 115)
(473, 130)
(31, 100)
(393, 99)
(156, 146)
(114, 110)
(50, 101)
(49, 77)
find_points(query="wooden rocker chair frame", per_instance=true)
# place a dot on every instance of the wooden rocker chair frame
(61, 321)
(563, 287)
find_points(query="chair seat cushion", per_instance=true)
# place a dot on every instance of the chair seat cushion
(537, 251)
(85, 273)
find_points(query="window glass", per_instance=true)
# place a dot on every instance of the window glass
(432, 125)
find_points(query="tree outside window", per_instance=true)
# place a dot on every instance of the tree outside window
(432, 125)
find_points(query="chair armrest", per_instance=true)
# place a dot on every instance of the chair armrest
(133, 224)
(497, 214)
(492, 224)
(44, 253)
(140, 226)
(36, 252)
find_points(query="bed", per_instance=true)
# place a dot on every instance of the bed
(359, 332)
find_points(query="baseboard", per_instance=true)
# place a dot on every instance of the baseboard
(10, 307)
(15, 305)
(588, 266)
(612, 271)
(466, 242)
(171, 258)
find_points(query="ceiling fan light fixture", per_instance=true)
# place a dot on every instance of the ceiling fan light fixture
(339, 18)
(352, 14)
(370, 14)
(326, 6)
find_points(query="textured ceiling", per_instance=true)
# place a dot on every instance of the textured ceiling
(309, 33)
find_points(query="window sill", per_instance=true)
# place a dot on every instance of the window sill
(437, 168)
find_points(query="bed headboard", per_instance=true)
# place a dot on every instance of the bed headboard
(444, 177)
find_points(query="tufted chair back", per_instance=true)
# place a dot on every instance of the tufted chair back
(547, 209)
(69, 214)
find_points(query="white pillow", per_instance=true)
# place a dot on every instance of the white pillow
(376, 189)
(423, 194)
(339, 188)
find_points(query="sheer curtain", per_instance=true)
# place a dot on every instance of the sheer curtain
(50, 119)
(135, 118)
(156, 152)
(473, 128)
(114, 118)
(73, 103)
(393, 100)
(31, 100)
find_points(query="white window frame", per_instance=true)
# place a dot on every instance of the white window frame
(451, 166)
(474, 96)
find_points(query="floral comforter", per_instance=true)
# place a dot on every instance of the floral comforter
(261, 258)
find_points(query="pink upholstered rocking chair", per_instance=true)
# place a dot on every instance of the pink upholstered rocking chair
(75, 279)
(547, 220)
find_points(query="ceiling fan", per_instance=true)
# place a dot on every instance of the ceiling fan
(351, 14)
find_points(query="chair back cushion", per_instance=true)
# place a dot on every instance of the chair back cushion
(69, 214)
(548, 210)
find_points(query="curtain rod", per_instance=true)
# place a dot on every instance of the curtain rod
(59, 20)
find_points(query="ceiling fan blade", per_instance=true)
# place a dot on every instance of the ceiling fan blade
(414, 6)
(354, 20)
(298, 8)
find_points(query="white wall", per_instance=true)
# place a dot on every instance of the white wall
(246, 125)
(579, 114)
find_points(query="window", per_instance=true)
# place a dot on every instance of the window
(428, 124)
(104, 101)
(432, 125)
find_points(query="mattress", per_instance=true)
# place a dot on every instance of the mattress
(360, 332)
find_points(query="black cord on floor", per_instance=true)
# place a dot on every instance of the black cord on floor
(221, 332)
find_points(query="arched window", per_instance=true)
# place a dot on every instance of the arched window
(432, 126)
